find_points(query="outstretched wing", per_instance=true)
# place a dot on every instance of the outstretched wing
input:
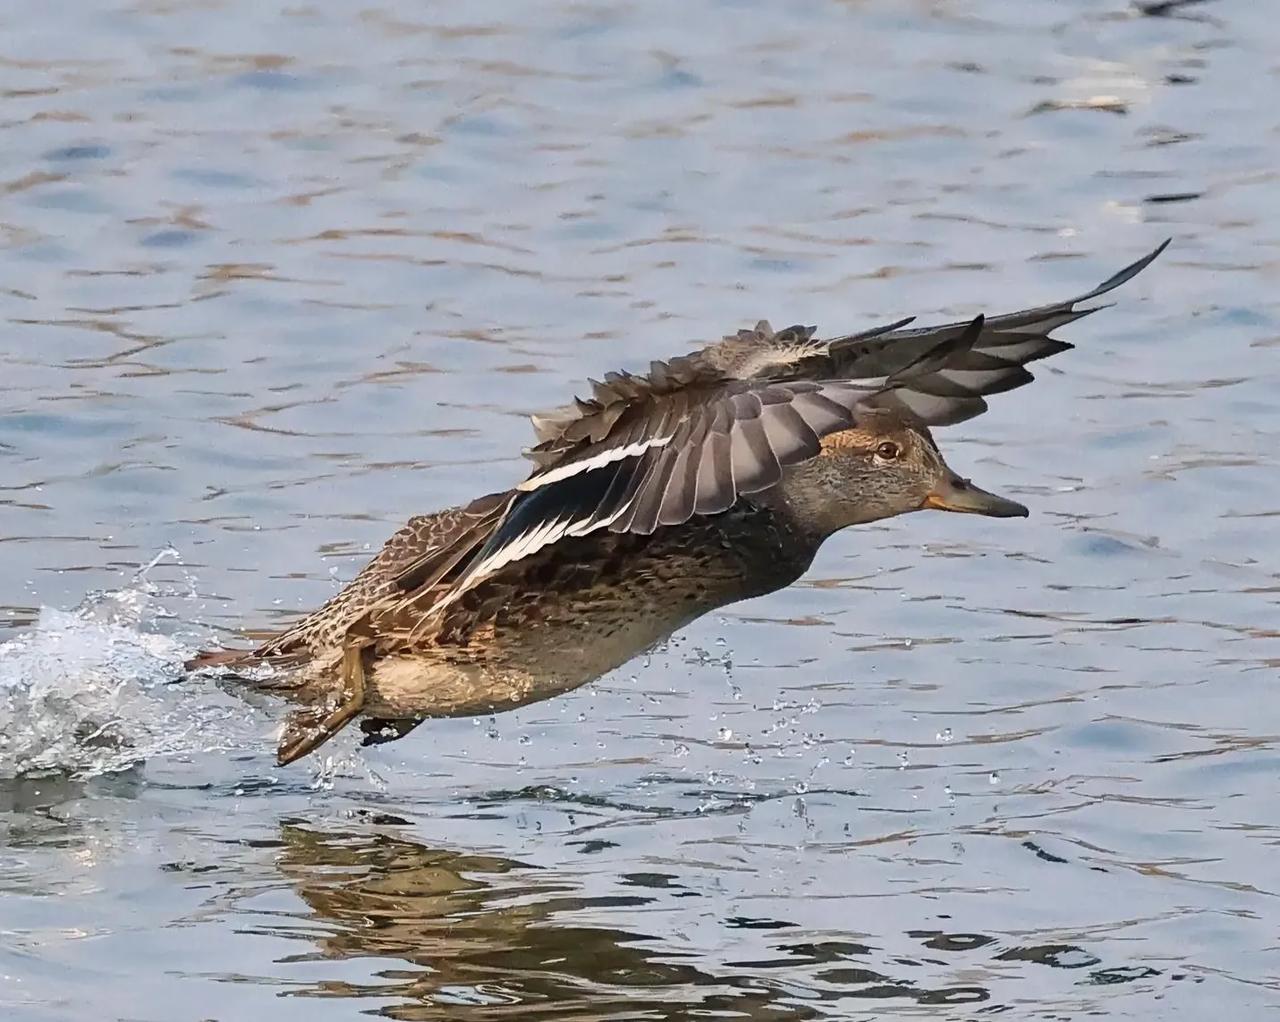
(699, 431)
(994, 364)
(667, 456)
(954, 392)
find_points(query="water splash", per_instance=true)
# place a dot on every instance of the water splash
(91, 691)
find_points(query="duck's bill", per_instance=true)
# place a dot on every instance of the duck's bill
(956, 494)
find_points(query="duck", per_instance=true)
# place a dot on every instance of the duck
(662, 495)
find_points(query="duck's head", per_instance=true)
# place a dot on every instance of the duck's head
(886, 465)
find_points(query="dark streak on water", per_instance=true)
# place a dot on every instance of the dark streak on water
(276, 278)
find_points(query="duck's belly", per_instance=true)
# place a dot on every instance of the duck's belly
(508, 674)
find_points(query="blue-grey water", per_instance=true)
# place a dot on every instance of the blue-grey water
(276, 277)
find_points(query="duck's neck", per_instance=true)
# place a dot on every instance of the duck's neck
(804, 500)
(768, 547)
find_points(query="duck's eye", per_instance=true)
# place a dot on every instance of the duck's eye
(887, 451)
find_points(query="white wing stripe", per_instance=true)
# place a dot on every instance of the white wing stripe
(536, 539)
(603, 458)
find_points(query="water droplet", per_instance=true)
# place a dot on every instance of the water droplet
(681, 750)
(994, 778)
(526, 740)
(944, 735)
(801, 787)
(904, 760)
(725, 734)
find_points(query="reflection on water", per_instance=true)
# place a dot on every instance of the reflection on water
(486, 931)
(453, 931)
(276, 278)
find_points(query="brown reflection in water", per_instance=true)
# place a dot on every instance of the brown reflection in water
(483, 940)
(471, 936)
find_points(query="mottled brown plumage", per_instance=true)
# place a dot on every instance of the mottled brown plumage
(712, 478)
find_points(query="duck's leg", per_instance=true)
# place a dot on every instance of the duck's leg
(306, 730)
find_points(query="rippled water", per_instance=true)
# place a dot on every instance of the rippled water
(276, 279)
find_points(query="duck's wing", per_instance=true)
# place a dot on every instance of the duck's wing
(699, 431)
(667, 458)
(644, 451)
(994, 363)
(684, 440)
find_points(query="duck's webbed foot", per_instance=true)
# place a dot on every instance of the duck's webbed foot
(378, 730)
(306, 730)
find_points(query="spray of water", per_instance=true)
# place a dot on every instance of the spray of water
(99, 689)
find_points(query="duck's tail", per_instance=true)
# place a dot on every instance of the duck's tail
(262, 670)
(265, 667)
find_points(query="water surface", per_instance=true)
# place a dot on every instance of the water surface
(275, 279)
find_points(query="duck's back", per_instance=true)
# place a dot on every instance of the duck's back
(406, 560)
